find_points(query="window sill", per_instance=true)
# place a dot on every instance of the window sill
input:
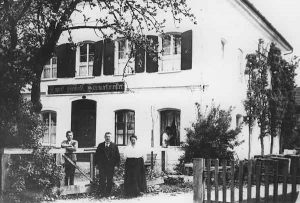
(126, 74)
(165, 72)
(84, 77)
(48, 79)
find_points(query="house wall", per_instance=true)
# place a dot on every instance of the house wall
(222, 78)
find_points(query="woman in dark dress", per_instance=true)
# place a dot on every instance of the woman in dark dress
(135, 179)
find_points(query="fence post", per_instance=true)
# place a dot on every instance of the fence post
(163, 160)
(4, 170)
(198, 168)
(92, 166)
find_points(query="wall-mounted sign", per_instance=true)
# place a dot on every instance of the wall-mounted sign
(87, 88)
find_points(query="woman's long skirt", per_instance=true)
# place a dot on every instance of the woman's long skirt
(135, 179)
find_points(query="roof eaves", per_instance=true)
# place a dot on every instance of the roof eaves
(263, 18)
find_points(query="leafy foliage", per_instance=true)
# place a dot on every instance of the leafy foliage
(257, 105)
(270, 100)
(210, 136)
(37, 173)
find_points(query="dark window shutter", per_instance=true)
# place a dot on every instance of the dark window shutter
(98, 58)
(66, 55)
(140, 60)
(109, 53)
(186, 50)
(152, 57)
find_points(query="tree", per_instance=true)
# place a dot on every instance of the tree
(210, 136)
(282, 96)
(256, 104)
(30, 30)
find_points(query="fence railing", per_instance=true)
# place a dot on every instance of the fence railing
(272, 179)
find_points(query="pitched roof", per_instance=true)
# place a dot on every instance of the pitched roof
(268, 24)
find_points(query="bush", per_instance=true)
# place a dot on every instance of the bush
(31, 176)
(210, 137)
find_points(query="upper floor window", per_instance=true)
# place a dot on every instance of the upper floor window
(125, 61)
(49, 121)
(171, 53)
(50, 69)
(125, 126)
(86, 59)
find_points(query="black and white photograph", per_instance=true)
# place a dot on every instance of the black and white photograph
(153, 101)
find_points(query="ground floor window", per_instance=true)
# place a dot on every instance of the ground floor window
(125, 125)
(49, 120)
(170, 119)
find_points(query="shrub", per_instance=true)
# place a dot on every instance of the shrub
(210, 137)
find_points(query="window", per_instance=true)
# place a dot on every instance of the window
(171, 119)
(125, 125)
(223, 43)
(171, 52)
(50, 69)
(125, 63)
(86, 59)
(49, 120)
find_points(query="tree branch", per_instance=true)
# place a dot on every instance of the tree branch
(88, 27)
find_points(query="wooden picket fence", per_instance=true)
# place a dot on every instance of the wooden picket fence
(256, 180)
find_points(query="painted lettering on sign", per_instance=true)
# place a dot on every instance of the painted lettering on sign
(86, 88)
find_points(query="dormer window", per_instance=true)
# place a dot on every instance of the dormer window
(125, 63)
(171, 52)
(86, 59)
(50, 69)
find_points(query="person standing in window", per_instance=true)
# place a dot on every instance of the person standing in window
(71, 146)
(107, 159)
(167, 137)
(134, 179)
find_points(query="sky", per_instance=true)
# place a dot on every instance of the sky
(284, 15)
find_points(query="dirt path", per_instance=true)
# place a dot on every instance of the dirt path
(148, 198)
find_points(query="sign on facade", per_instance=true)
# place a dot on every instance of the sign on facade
(87, 88)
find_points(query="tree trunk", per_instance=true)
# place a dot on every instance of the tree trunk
(36, 94)
(262, 145)
(272, 143)
(249, 142)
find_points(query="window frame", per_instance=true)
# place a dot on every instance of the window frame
(125, 134)
(121, 62)
(49, 127)
(170, 62)
(85, 68)
(52, 69)
(162, 130)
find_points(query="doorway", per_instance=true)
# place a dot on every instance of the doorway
(83, 122)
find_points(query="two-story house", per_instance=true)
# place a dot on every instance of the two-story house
(83, 87)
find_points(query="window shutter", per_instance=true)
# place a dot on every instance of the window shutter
(66, 56)
(98, 58)
(109, 53)
(152, 57)
(186, 50)
(140, 60)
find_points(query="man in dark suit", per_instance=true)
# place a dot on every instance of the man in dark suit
(107, 159)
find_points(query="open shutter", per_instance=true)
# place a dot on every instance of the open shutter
(109, 53)
(140, 60)
(186, 50)
(98, 58)
(66, 56)
(152, 57)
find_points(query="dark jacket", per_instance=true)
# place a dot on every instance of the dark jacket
(107, 158)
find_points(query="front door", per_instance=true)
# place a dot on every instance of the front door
(83, 123)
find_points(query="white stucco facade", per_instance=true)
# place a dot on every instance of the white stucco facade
(226, 31)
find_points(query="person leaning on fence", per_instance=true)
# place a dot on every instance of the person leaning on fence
(71, 146)
(134, 178)
(107, 159)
